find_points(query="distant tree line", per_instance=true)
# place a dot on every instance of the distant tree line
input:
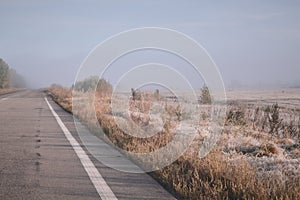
(4, 74)
(102, 86)
(9, 77)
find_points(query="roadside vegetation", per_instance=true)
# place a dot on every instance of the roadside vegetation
(257, 157)
(9, 78)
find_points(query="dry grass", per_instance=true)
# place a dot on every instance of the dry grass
(139, 113)
(223, 174)
(8, 90)
(62, 96)
(218, 177)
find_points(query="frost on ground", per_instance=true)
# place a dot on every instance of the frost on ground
(273, 153)
(251, 132)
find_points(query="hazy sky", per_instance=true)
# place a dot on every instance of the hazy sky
(250, 41)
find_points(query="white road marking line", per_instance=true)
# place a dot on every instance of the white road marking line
(101, 186)
(3, 99)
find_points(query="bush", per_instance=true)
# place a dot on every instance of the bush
(236, 117)
(274, 120)
(205, 97)
(102, 86)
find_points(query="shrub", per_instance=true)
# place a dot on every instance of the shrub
(157, 95)
(102, 86)
(273, 116)
(205, 97)
(236, 117)
(136, 94)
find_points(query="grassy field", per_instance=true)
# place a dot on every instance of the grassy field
(257, 155)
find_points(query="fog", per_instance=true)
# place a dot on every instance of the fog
(254, 43)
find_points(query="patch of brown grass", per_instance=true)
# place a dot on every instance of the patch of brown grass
(62, 96)
(212, 177)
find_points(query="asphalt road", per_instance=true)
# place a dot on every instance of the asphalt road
(39, 161)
